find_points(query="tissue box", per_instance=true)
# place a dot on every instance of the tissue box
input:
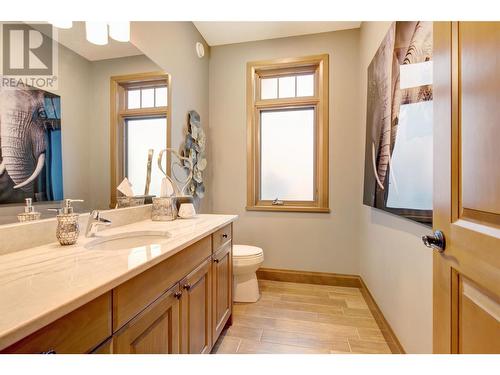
(164, 209)
(129, 201)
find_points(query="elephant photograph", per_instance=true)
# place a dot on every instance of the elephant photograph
(398, 149)
(30, 145)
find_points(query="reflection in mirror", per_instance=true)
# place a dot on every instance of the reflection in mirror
(61, 131)
(142, 134)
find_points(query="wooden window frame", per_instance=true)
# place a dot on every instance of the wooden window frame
(317, 64)
(119, 113)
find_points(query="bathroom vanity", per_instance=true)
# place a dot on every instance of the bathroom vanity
(173, 296)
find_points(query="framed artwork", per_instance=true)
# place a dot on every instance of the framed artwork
(30, 145)
(398, 149)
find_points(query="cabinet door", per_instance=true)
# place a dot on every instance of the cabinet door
(222, 289)
(155, 330)
(196, 305)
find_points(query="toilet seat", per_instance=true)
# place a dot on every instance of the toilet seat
(246, 252)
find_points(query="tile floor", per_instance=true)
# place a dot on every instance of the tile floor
(303, 318)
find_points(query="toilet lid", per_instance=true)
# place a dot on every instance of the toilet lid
(246, 251)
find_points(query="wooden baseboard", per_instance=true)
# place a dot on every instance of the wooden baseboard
(383, 324)
(334, 279)
(320, 278)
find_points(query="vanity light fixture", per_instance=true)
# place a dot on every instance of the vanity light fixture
(62, 24)
(120, 31)
(97, 32)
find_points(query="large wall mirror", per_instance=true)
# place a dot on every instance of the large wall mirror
(55, 138)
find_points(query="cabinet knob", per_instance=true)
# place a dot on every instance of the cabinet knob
(224, 235)
(187, 286)
(178, 295)
(216, 260)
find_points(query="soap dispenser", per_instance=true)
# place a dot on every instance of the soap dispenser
(68, 229)
(29, 213)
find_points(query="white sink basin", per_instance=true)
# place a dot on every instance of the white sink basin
(129, 240)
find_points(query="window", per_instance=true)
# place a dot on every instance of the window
(287, 156)
(140, 120)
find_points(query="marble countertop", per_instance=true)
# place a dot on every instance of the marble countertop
(41, 284)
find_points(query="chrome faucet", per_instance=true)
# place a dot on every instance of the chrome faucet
(95, 221)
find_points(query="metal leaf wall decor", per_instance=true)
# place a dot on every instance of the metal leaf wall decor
(194, 149)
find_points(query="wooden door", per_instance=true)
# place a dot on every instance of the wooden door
(196, 306)
(222, 289)
(155, 330)
(467, 187)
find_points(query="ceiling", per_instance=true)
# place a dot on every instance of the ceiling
(75, 40)
(219, 33)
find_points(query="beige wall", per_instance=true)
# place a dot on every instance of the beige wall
(171, 45)
(301, 241)
(394, 264)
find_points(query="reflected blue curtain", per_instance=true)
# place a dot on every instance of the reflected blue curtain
(53, 164)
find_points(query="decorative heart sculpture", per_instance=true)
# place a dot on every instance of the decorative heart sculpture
(178, 163)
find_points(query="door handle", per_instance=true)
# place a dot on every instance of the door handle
(435, 241)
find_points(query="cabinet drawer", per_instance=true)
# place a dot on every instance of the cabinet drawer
(75, 333)
(222, 236)
(133, 296)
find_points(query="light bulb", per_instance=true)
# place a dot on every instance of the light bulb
(120, 31)
(97, 32)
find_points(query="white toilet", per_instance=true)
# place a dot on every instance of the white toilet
(246, 261)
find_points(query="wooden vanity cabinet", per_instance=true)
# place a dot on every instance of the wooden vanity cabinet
(155, 330)
(222, 237)
(222, 270)
(180, 305)
(196, 310)
(78, 332)
(131, 297)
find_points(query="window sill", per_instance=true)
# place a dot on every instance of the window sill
(284, 208)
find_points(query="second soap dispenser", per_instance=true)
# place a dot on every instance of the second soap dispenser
(68, 229)
(29, 213)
